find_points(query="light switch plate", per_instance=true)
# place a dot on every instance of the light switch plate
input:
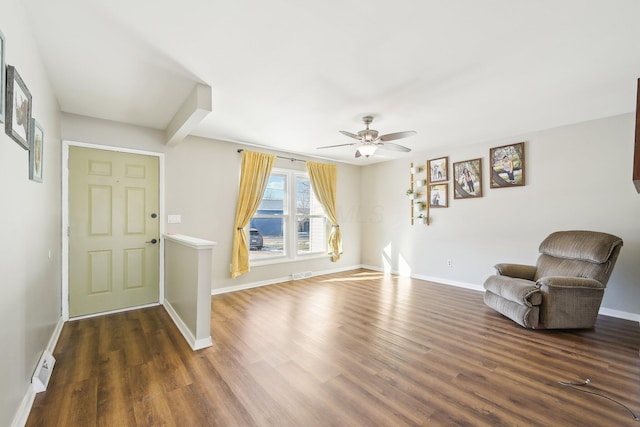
(174, 219)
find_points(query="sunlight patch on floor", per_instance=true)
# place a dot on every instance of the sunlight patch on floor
(365, 275)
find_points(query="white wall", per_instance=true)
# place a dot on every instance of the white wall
(29, 225)
(202, 178)
(202, 186)
(577, 177)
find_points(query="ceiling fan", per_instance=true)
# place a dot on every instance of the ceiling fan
(370, 141)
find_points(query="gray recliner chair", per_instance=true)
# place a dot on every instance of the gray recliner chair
(564, 289)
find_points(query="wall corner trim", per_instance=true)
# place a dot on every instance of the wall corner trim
(184, 330)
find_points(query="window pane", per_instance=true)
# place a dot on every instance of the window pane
(275, 196)
(266, 238)
(267, 227)
(306, 201)
(289, 213)
(312, 235)
(303, 195)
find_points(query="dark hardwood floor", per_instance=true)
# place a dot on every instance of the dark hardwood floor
(350, 349)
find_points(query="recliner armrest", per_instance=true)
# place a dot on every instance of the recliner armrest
(518, 271)
(569, 282)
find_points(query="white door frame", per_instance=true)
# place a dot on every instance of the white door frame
(65, 221)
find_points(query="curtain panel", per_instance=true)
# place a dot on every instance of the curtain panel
(254, 177)
(324, 182)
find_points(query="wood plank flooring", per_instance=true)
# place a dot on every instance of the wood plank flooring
(351, 349)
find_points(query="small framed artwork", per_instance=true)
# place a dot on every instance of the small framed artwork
(507, 165)
(3, 78)
(35, 151)
(439, 169)
(467, 179)
(439, 195)
(17, 118)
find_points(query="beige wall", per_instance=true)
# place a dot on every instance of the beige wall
(578, 177)
(29, 226)
(202, 178)
(202, 186)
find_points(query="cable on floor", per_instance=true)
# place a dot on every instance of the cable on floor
(586, 383)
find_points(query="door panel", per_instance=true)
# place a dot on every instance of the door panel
(112, 264)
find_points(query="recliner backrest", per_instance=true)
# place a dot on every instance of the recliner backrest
(578, 253)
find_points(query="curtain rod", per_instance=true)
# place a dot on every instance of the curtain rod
(293, 159)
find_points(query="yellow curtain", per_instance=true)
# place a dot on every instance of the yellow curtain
(256, 169)
(323, 181)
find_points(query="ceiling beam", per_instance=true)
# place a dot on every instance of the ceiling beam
(193, 110)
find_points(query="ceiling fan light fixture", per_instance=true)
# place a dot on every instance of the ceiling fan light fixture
(367, 149)
(369, 140)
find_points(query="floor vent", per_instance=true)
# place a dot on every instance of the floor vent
(43, 371)
(303, 275)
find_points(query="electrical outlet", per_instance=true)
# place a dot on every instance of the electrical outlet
(449, 263)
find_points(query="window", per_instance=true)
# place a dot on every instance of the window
(290, 222)
(310, 218)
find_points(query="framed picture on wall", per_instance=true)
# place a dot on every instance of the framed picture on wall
(439, 195)
(467, 179)
(507, 165)
(439, 170)
(17, 118)
(3, 78)
(36, 151)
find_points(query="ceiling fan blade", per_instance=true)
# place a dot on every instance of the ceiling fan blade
(350, 135)
(339, 145)
(394, 147)
(397, 135)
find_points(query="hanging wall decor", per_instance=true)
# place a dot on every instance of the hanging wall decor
(507, 165)
(439, 170)
(3, 78)
(467, 179)
(36, 146)
(18, 108)
(439, 195)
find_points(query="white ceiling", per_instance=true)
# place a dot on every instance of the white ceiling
(289, 74)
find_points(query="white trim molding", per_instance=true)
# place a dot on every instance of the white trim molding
(195, 344)
(22, 414)
(475, 287)
(65, 214)
(244, 286)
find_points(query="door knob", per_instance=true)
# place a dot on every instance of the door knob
(152, 241)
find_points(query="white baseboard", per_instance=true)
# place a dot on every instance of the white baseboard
(277, 280)
(619, 314)
(251, 285)
(22, 414)
(51, 346)
(603, 310)
(471, 286)
(24, 409)
(195, 344)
